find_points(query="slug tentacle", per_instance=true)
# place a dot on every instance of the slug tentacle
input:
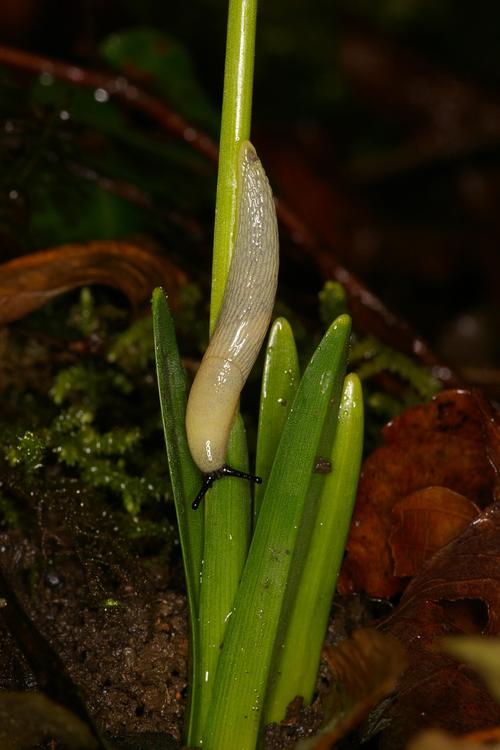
(224, 471)
(242, 324)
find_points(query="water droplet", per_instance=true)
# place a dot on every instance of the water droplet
(46, 78)
(101, 96)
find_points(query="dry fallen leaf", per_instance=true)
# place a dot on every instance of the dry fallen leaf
(28, 282)
(445, 443)
(425, 521)
(456, 593)
(365, 669)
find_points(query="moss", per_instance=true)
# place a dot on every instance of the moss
(27, 451)
(103, 460)
(332, 302)
(132, 350)
(90, 385)
(370, 357)
(96, 420)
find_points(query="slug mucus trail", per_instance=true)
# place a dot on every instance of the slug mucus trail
(241, 326)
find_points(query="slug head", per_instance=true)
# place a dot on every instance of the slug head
(224, 471)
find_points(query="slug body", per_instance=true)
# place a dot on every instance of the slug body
(242, 323)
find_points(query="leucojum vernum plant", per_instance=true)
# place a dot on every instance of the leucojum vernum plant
(261, 573)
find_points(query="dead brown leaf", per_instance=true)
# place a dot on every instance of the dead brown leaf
(444, 443)
(457, 592)
(28, 282)
(365, 669)
(425, 521)
(433, 739)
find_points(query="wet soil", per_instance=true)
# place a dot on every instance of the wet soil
(115, 618)
(114, 613)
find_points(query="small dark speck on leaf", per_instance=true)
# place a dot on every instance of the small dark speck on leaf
(323, 466)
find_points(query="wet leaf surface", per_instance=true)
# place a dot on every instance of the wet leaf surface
(457, 592)
(28, 282)
(365, 669)
(425, 521)
(448, 442)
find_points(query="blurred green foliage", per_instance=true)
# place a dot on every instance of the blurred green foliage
(166, 67)
(77, 165)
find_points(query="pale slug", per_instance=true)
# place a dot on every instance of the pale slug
(241, 326)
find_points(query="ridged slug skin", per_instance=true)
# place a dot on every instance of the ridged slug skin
(243, 320)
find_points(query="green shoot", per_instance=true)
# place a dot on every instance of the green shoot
(279, 386)
(235, 128)
(184, 475)
(252, 630)
(296, 665)
(227, 510)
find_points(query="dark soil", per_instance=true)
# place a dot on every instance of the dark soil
(111, 616)
(115, 616)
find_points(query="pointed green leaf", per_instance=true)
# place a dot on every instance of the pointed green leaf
(279, 386)
(184, 475)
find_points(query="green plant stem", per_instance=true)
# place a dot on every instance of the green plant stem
(235, 128)
(243, 669)
(296, 664)
(227, 507)
(227, 537)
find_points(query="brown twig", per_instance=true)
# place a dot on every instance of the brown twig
(115, 87)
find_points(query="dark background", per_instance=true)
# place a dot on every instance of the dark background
(378, 122)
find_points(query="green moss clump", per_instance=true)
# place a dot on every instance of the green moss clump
(95, 420)
(132, 350)
(332, 302)
(371, 357)
(28, 451)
